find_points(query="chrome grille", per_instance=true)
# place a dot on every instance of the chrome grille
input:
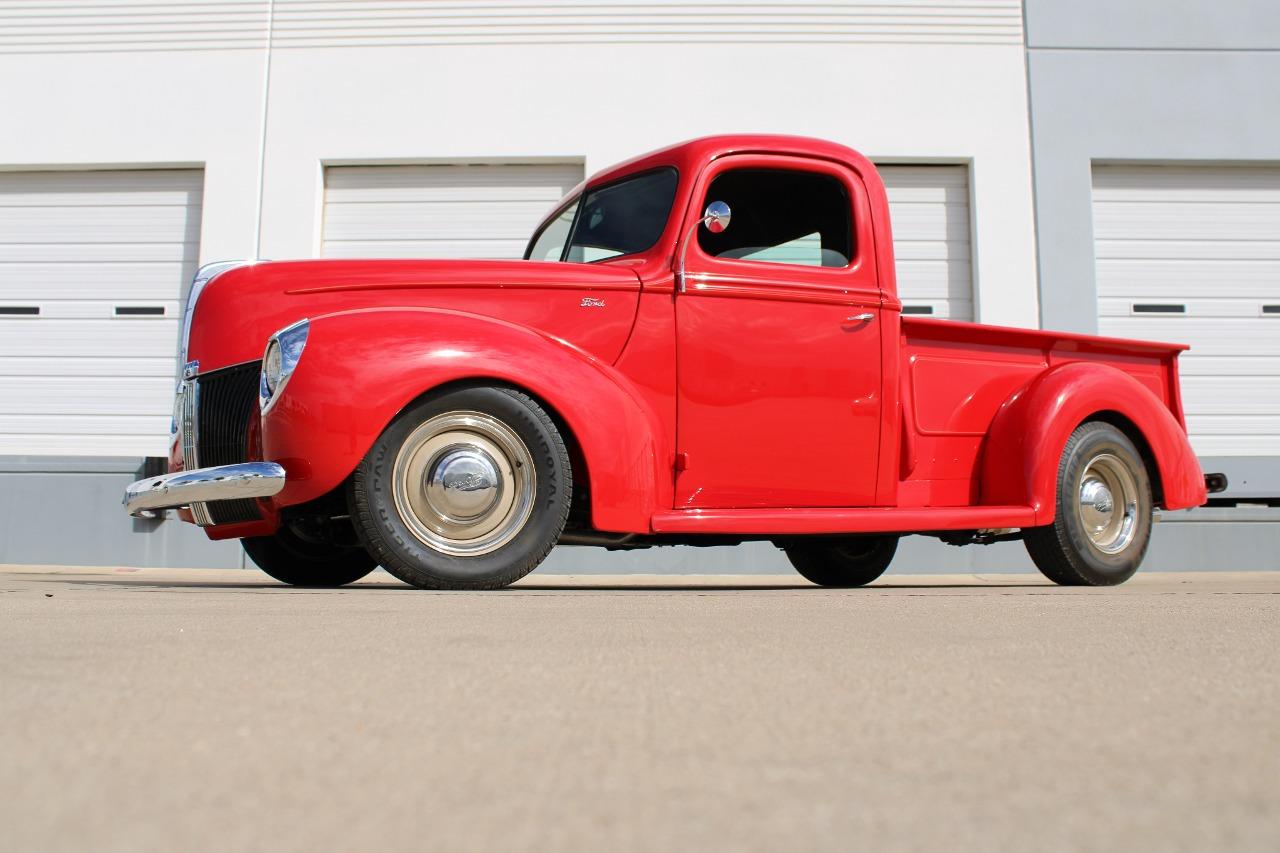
(190, 404)
(216, 408)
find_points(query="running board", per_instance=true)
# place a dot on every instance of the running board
(802, 520)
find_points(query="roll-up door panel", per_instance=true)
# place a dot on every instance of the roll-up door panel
(439, 211)
(93, 265)
(1205, 239)
(929, 206)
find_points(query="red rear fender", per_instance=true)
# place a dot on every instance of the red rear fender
(360, 369)
(1024, 445)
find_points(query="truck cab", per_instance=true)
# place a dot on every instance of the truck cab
(702, 345)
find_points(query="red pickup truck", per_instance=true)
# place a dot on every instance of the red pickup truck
(703, 345)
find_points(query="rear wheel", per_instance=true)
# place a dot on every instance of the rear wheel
(292, 559)
(1104, 508)
(855, 561)
(466, 490)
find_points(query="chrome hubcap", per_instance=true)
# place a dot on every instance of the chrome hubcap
(1107, 505)
(463, 482)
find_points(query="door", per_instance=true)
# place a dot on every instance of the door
(93, 265)
(1191, 254)
(440, 210)
(778, 341)
(929, 206)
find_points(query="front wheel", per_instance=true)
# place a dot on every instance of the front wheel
(468, 489)
(292, 559)
(855, 561)
(1104, 508)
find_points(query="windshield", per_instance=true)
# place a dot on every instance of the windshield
(619, 219)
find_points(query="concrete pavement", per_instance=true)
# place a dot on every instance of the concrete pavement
(216, 710)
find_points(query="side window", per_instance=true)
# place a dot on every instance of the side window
(782, 216)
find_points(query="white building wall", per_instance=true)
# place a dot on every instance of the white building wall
(143, 84)
(155, 84)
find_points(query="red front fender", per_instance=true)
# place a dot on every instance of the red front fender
(1025, 442)
(359, 369)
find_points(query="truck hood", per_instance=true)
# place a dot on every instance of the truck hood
(590, 306)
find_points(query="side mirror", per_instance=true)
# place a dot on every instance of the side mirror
(716, 217)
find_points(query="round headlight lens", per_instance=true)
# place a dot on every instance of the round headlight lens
(281, 357)
(272, 368)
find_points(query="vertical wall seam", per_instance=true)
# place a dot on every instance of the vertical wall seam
(262, 137)
(1031, 146)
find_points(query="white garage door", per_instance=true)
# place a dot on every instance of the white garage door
(1191, 254)
(92, 270)
(446, 211)
(930, 210)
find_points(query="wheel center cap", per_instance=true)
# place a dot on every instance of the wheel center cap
(464, 483)
(1096, 503)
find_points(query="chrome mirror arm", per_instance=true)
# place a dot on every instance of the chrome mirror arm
(716, 218)
(684, 250)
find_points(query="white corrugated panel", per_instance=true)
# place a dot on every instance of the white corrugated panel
(79, 251)
(439, 211)
(1191, 254)
(929, 206)
(130, 25)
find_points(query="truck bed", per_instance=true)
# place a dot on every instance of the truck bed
(954, 377)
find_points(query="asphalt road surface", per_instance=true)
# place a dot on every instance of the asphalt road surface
(202, 710)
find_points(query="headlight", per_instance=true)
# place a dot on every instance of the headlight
(283, 351)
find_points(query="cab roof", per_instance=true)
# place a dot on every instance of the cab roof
(694, 153)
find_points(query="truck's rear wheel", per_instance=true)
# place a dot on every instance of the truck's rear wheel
(1104, 508)
(291, 559)
(855, 561)
(466, 490)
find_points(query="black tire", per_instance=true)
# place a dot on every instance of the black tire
(855, 561)
(412, 538)
(1078, 549)
(291, 559)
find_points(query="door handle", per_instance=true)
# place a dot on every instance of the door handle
(860, 318)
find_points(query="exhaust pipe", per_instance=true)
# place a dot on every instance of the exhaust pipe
(1215, 483)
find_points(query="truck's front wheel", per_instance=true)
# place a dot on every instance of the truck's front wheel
(1104, 508)
(469, 489)
(292, 559)
(855, 561)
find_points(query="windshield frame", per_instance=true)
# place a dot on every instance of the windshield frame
(576, 203)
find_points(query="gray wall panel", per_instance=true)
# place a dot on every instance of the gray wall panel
(76, 519)
(1188, 81)
(1194, 24)
(1113, 106)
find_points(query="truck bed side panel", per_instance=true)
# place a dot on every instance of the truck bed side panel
(955, 376)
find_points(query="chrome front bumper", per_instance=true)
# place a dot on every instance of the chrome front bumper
(201, 485)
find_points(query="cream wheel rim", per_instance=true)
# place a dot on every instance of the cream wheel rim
(463, 483)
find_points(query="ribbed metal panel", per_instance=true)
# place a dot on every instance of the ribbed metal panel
(232, 512)
(107, 25)
(227, 398)
(216, 412)
(439, 211)
(1191, 254)
(79, 378)
(190, 403)
(929, 206)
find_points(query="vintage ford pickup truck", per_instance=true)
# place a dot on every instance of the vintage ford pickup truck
(703, 345)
